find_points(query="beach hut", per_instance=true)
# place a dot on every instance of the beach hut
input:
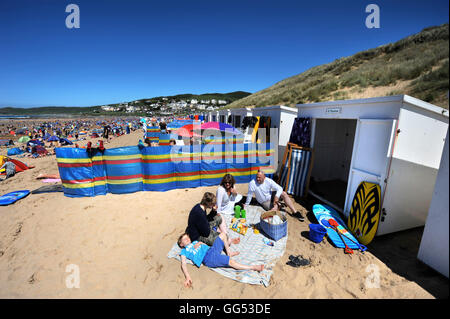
(224, 116)
(238, 115)
(393, 141)
(214, 116)
(281, 118)
(433, 249)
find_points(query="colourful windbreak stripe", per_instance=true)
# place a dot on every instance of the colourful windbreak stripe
(131, 169)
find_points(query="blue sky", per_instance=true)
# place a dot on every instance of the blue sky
(127, 50)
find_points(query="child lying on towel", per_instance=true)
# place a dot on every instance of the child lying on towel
(212, 257)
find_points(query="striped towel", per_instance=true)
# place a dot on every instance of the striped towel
(299, 163)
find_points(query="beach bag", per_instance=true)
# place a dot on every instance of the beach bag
(274, 231)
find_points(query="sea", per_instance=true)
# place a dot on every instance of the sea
(15, 117)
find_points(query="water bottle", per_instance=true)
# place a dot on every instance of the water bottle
(237, 211)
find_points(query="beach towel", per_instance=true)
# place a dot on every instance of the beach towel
(14, 151)
(253, 251)
(301, 132)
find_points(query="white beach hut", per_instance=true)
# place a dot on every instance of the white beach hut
(395, 141)
(434, 248)
(282, 118)
(213, 116)
(238, 115)
(223, 115)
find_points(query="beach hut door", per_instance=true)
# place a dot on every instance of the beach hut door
(372, 153)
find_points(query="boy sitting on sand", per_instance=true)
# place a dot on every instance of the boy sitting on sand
(212, 257)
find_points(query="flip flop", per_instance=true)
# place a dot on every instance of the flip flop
(299, 216)
(292, 264)
(297, 261)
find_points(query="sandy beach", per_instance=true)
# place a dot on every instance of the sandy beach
(120, 244)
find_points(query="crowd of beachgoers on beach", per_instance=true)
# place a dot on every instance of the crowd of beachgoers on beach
(36, 138)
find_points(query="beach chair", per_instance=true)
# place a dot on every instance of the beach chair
(295, 170)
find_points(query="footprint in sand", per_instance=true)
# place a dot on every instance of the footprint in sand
(32, 279)
(169, 234)
(159, 268)
(148, 257)
(17, 231)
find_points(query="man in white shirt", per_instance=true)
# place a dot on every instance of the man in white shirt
(267, 194)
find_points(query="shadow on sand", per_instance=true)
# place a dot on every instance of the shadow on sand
(399, 252)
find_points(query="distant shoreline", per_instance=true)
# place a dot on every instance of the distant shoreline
(5, 117)
(59, 116)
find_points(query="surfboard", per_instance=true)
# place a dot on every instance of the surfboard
(255, 130)
(365, 212)
(325, 212)
(13, 197)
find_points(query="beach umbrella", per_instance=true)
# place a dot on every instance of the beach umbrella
(188, 130)
(24, 139)
(221, 127)
(53, 138)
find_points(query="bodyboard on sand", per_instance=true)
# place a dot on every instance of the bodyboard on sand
(365, 212)
(52, 180)
(324, 212)
(13, 197)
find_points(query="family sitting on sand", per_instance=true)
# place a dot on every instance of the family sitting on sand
(206, 234)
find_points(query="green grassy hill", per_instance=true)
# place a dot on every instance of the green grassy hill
(49, 110)
(96, 110)
(417, 65)
(233, 96)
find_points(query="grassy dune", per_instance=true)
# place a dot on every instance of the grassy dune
(417, 65)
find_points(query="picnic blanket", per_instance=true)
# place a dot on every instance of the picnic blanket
(253, 251)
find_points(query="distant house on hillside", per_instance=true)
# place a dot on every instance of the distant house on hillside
(131, 109)
(221, 102)
(109, 108)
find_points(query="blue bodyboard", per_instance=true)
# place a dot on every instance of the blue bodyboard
(13, 197)
(324, 212)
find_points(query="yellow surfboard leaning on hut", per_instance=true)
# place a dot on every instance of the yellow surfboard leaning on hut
(365, 212)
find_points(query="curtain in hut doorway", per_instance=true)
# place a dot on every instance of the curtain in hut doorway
(301, 132)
